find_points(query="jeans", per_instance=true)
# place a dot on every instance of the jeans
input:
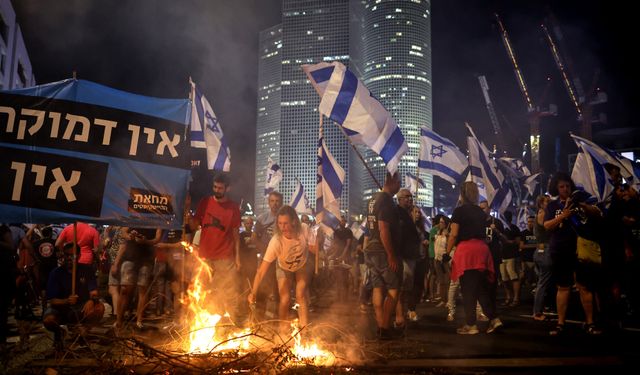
(542, 261)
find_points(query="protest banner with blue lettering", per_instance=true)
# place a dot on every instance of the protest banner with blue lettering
(76, 150)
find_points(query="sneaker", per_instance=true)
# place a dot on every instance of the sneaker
(482, 318)
(468, 330)
(441, 304)
(450, 317)
(494, 324)
(139, 326)
(592, 330)
(412, 316)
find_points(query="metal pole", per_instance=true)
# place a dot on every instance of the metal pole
(75, 252)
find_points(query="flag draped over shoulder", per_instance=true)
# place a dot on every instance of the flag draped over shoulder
(273, 177)
(484, 172)
(206, 132)
(330, 179)
(441, 157)
(347, 101)
(299, 200)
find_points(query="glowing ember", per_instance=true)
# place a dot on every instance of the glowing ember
(309, 353)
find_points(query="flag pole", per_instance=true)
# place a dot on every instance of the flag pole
(357, 153)
(74, 268)
(317, 255)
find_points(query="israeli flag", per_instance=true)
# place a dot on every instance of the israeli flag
(522, 217)
(484, 171)
(359, 229)
(531, 183)
(441, 157)
(629, 169)
(502, 199)
(346, 100)
(274, 176)
(206, 132)
(330, 179)
(514, 166)
(590, 175)
(412, 182)
(299, 199)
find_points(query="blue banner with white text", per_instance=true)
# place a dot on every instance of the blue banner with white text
(76, 150)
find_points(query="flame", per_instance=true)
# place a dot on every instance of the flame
(204, 338)
(309, 353)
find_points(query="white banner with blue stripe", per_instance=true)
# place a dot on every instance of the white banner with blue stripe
(441, 157)
(347, 101)
(330, 179)
(206, 132)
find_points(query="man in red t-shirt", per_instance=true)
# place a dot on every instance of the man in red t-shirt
(219, 219)
(88, 241)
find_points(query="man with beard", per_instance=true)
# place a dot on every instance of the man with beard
(219, 219)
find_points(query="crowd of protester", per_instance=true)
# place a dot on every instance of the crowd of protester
(262, 266)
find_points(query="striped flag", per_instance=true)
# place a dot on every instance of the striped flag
(484, 172)
(330, 179)
(299, 200)
(359, 229)
(206, 132)
(412, 182)
(531, 183)
(441, 157)
(590, 175)
(514, 166)
(346, 100)
(274, 176)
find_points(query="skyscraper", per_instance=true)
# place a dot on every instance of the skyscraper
(395, 64)
(268, 123)
(387, 44)
(15, 65)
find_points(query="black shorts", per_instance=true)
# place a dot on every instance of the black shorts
(588, 275)
(563, 267)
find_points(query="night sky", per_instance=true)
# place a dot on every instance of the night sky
(152, 47)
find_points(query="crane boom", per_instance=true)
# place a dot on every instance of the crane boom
(563, 71)
(514, 62)
(492, 112)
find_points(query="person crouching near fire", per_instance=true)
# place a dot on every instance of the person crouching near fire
(294, 247)
(82, 307)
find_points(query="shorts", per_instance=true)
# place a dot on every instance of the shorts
(562, 269)
(114, 281)
(379, 272)
(588, 274)
(133, 274)
(509, 269)
(66, 314)
(305, 271)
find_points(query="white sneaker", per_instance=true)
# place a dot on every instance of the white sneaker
(494, 324)
(412, 316)
(468, 330)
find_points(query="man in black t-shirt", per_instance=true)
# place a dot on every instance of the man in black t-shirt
(509, 268)
(381, 253)
(528, 246)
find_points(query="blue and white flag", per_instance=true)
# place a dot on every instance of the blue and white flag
(502, 199)
(484, 171)
(531, 183)
(359, 229)
(347, 101)
(630, 170)
(299, 199)
(273, 177)
(441, 157)
(330, 179)
(412, 182)
(514, 166)
(522, 217)
(590, 175)
(206, 132)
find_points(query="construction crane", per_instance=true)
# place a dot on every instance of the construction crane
(497, 130)
(582, 103)
(534, 112)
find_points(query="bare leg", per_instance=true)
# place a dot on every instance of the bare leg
(114, 291)
(284, 285)
(389, 307)
(126, 291)
(302, 280)
(562, 302)
(142, 302)
(586, 297)
(378, 299)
